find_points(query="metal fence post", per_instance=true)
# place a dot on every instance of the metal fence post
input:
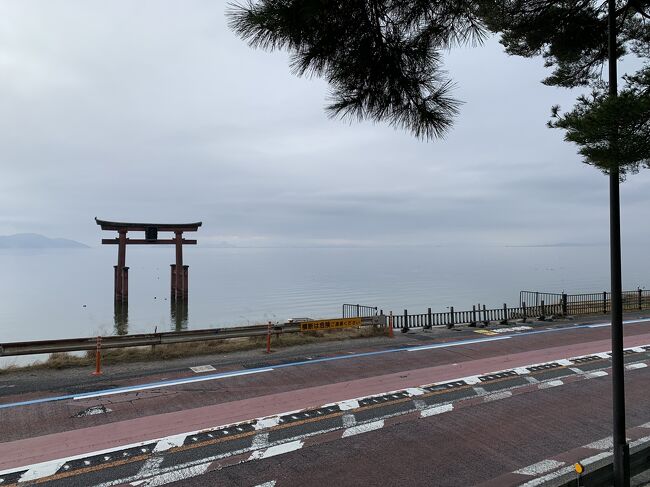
(486, 322)
(429, 322)
(564, 304)
(451, 314)
(405, 328)
(523, 305)
(543, 315)
(639, 291)
(473, 322)
(604, 302)
(390, 324)
(505, 314)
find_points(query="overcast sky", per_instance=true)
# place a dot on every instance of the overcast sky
(155, 111)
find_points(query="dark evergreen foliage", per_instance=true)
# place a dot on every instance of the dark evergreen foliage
(572, 38)
(382, 59)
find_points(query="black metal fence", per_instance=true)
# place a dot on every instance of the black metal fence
(358, 311)
(477, 316)
(534, 305)
(588, 303)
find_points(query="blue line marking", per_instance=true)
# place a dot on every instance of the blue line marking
(220, 375)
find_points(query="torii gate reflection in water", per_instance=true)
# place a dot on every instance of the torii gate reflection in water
(179, 272)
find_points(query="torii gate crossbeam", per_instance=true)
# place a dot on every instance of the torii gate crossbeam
(179, 272)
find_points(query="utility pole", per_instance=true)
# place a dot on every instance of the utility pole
(621, 448)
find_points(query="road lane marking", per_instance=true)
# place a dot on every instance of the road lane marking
(150, 466)
(445, 408)
(260, 441)
(597, 373)
(346, 405)
(550, 383)
(497, 395)
(639, 365)
(415, 391)
(363, 428)
(170, 442)
(199, 369)
(513, 328)
(602, 444)
(169, 383)
(173, 476)
(540, 481)
(457, 344)
(42, 470)
(540, 467)
(277, 450)
(640, 441)
(349, 420)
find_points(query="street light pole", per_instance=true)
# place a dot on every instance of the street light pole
(621, 448)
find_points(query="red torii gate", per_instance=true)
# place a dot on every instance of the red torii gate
(179, 272)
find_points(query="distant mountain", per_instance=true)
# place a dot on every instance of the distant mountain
(36, 241)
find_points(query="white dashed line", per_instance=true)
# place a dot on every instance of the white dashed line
(42, 470)
(597, 373)
(603, 444)
(202, 368)
(415, 391)
(550, 383)
(277, 450)
(547, 478)
(363, 428)
(261, 440)
(160, 385)
(170, 442)
(639, 365)
(425, 413)
(540, 467)
(174, 476)
(347, 405)
(498, 395)
(348, 420)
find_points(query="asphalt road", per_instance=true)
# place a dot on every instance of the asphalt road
(474, 427)
(468, 446)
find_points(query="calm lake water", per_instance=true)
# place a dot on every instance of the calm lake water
(44, 292)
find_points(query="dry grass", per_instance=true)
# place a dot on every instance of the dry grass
(179, 350)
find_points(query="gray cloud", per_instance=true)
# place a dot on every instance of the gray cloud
(154, 110)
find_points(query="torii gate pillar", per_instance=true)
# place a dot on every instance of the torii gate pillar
(179, 272)
(179, 280)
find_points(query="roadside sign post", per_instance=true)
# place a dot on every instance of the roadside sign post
(98, 357)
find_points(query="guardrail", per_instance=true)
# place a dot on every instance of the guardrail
(150, 339)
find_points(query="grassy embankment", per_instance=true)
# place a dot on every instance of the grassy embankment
(179, 350)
